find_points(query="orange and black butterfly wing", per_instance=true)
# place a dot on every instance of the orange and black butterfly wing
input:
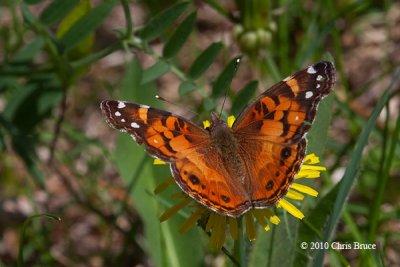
(274, 127)
(195, 163)
(203, 176)
(285, 112)
(166, 136)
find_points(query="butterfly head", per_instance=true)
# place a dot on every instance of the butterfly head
(216, 122)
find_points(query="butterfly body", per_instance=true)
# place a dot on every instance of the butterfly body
(225, 143)
(232, 170)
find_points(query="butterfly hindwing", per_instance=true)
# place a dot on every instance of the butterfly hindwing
(203, 176)
(271, 168)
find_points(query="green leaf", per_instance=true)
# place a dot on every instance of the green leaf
(318, 133)
(208, 104)
(202, 62)
(155, 71)
(187, 87)
(29, 51)
(352, 170)
(164, 243)
(57, 10)
(162, 21)
(261, 252)
(224, 80)
(29, 18)
(31, 103)
(178, 39)
(310, 230)
(25, 147)
(243, 97)
(87, 24)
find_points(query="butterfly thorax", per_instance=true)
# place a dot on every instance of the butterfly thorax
(224, 140)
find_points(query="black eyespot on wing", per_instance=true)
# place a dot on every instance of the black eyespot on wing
(269, 185)
(194, 179)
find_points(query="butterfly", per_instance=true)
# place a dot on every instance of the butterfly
(231, 170)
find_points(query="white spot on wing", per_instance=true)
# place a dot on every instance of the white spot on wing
(296, 118)
(309, 94)
(117, 113)
(144, 106)
(318, 85)
(288, 78)
(135, 125)
(123, 120)
(320, 78)
(155, 141)
(121, 104)
(311, 70)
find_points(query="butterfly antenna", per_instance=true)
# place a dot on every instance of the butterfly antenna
(223, 103)
(227, 88)
(176, 105)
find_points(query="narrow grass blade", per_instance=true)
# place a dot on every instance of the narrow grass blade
(352, 170)
(22, 235)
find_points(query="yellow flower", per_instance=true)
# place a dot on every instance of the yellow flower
(217, 225)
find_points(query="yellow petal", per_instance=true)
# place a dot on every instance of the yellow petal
(174, 209)
(311, 159)
(164, 185)
(233, 228)
(206, 124)
(159, 162)
(250, 226)
(193, 218)
(217, 237)
(259, 215)
(178, 195)
(308, 174)
(271, 216)
(310, 167)
(305, 189)
(289, 207)
(231, 120)
(294, 195)
(211, 221)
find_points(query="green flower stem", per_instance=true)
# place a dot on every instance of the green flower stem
(128, 19)
(376, 209)
(239, 247)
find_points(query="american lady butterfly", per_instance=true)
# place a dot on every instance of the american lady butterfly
(233, 170)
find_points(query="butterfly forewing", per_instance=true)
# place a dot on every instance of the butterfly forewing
(166, 136)
(285, 112)
(274, 127)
